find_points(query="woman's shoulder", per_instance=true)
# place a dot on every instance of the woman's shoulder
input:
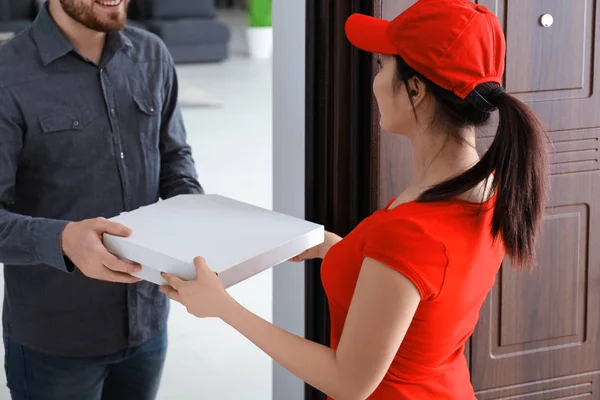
(444, 224)
(405, 245)
(403, 235)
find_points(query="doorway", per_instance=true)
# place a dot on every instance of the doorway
(539, 332)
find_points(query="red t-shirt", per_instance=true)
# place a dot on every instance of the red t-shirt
(447, 251)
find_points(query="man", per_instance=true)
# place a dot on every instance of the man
(89, 128)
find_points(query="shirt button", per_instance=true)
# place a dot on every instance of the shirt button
(112, 110)
(75, 123)
(151, 109)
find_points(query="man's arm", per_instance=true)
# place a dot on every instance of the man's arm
(30, 241)
(177, 169)
(23, 240)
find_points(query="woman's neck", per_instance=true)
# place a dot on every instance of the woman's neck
(438, 157)
(441, 155)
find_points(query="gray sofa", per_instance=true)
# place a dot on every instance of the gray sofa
(190, 28)
(16, 15)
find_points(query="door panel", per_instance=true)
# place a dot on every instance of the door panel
(545, 324)
(579, 387)
(571, 151)
(535, 51)
(552, 68)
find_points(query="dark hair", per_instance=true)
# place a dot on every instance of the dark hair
(517, 157)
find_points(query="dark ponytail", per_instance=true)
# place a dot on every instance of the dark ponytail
(518, 158)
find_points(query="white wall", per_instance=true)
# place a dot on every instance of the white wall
(289, 24)
(232, 147)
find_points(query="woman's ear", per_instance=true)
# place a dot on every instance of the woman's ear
(416, 90)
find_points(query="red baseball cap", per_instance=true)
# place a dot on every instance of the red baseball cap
(456, 44)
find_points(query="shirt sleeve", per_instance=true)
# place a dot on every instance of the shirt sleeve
(407, 248)
(23, 240)
(177, 168)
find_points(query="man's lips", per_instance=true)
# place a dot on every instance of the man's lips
(109, 3)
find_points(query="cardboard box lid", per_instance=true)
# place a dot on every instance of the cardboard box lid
(237, 240)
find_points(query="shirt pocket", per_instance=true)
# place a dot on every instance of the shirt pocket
(68, 138)
(148, 117)
(66, 121)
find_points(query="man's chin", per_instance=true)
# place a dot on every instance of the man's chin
(110, 19)
(112, 28)
(107, 26)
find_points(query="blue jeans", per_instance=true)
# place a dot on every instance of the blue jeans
(132, 374)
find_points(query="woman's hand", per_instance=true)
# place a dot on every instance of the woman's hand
(318, 251)
(203, 297)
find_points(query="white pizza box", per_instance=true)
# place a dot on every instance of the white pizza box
(236, 239)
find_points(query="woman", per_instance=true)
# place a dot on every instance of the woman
(406, 286)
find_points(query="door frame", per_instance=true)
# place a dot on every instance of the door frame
(342, 141)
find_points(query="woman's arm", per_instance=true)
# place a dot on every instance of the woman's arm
(382, 308)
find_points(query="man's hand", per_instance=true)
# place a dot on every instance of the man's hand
(82, 243)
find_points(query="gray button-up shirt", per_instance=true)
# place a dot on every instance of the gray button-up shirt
(79, 141)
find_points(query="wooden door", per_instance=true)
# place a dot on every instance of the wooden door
(538, 337)
(539, 332)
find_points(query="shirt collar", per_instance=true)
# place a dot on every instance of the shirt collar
(52, 43)
(117, 41)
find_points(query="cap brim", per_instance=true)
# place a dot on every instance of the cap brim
(369, 34)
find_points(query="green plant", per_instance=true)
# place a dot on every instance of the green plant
(259, 13)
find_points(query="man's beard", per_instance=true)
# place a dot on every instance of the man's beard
(84, 14)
